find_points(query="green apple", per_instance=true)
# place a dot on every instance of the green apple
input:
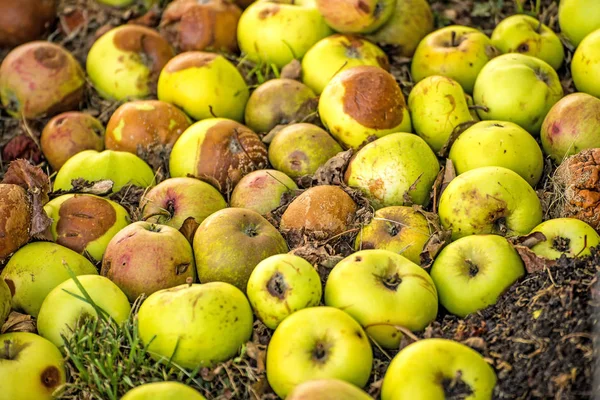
(85, 223)
(437, 106)
(261, 190)
(30, 367)
(400, 229)
(517, 88)
(572, 125)
(356, 16)
(585, 66)
(394, 170)
(300, 149)
(383, 291)
(63, 308)
(569, 236)
(195, 325)
(204, 85)
(527, 35)
(281, 285)
(472, 272)
(578, 18)
(327, 389)
(5, 302)
(361, 102)
(279, 31)
(336, 53)
(457, 52)
(36, 269)
(163, 391)
(436, 369)
(498, 144)
(489, 200)
(302, 350)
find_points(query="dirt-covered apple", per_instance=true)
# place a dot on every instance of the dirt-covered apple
(327, 389)
(25, 20)
(578, 18)
(169, 390)
(5, 301)
(40, 79)
(585, 66)
(281, 285)
(356, 16)
(301, 350)
(361, 102)
(437, 369)
(489, 200)
(125, 62)
(261, 190)
(196, 325)
(568, 236)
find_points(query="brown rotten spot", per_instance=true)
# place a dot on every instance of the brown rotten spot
(25, 20)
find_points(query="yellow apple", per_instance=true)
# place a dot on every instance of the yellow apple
(163, 391)
(578, 18)
(585, 66)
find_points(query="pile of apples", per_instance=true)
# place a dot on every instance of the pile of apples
(206, 248)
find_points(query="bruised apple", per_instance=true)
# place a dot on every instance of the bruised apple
(25, 20)
(261, 190)
(356, 16)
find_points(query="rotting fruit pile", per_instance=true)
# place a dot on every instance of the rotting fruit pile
(309, 199)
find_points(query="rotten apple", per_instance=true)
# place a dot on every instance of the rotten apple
(356, 16)
(25, 20)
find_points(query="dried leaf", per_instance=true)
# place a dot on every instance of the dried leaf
(80, 185)
(18, 322)
(533, 262)
(449, 174)
(332, 172)
(293, 70)
(433, 246)
(157, 156)
(188, 228)
(530, 240)
(257, 353)
(268, 138)
(456, 132)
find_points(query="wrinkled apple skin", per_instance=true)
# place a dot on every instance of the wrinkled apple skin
(196, 325)
(578, 18)
(580, 238)
(25, 20)
(36, 269)
(472, 272)
(327, 389)
(356, 16)
(15, 218)
(5, 301)
(585, 66)
(489, 200)
(170, 390)
(261, 190)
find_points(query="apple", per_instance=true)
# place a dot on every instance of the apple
(195, 325)
(63, 309)
(281, 285)
(489, 200)
(356, 16)
(261, 190)
(361, 102)
(40, 79)
(163, 391)
(585, 65)
(400, 229)
(231, 242)
(36, 269)
(569, 236)
(302, 350)
(30, 367)
(438, 369)
(6, 303)
(571, 125)
(437, 106)
(410, 22)
(300, 149)
(337, 53)
(327, 389)
(119, 166)
(498, 144)
(393, 170)
(204, 85)
(457, 52)
(125, 62)
(383, 291)
(527, 35)
(25, 20)
(15, 218)
(174, 200)
(279, 102)
(517, 88)
(578, 18)
(276, 32)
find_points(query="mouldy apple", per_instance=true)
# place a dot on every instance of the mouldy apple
(578, 18)
(585, 66)
(196, 325)
(261, 190)
(5, 301)
(568, 236)
(163, 391)
(356, 16)
(361, 102)
(25, 20)
(40, 79)
(327, 389)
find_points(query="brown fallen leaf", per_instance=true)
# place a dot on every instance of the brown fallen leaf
(18, 322)
(188, 228)
(436, 242)
(530, 240)
(456, 132)
(293, 70)
(80, 185)
(533, 262)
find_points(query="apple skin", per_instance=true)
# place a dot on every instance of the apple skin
(36, 269)
(277, 32)
(301, 350)
(568, 236)
(174, 200)
(361, 102)
(231, 242)
(585, 66)
(337, 53)
(461, 59)
(517, 88)
(170, 390)
(327, 389)
(121, 167)
(526, 35)
(472, 272)
(31, 367)
(489, 200)
(25, 21)
(261, 190)
(415, 371)
(437, 105)
(356, 16)
(61, 311)
(386, 169)
(5, 302)
(196, 325)
(578, 18)
(382, 290)
(281, 285)
(498, 144)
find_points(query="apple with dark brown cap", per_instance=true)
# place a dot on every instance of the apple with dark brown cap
(25, 20)
(261, 190)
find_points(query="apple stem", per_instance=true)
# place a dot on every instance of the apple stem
(539, 27)
(479, 107)
(190, 281)
(7, 345)
(453, 39)
(320, 352)
(473, 268)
